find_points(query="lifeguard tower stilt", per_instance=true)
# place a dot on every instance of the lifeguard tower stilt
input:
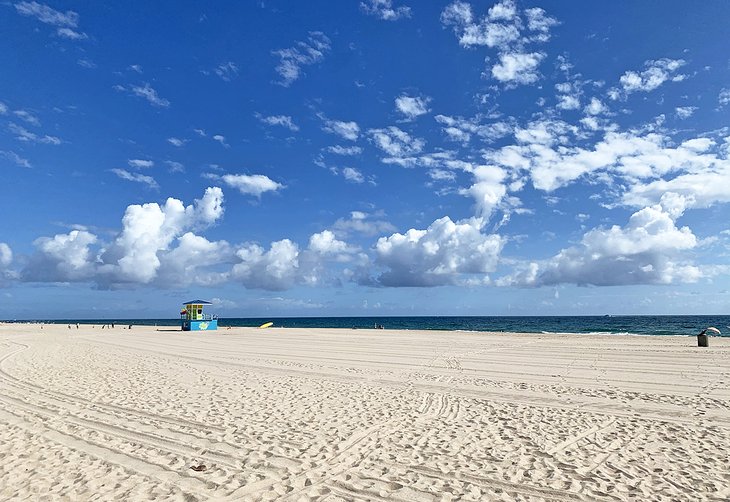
(193, 318)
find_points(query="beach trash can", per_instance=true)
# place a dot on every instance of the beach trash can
(702, 340)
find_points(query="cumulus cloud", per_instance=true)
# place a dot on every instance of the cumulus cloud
(647, 250)
(544, 150)
(63, 257)
(249, 184)
(412, 106)
(518, 68)
(395, 142)
(148, 230)
(275, 269)
(307, 53)
(279, 120)
(145, 92)
(346, 130)
(384, 9)
(325, 243)
(446, 252)
(507, 30)
(227, 71)
(656, 73)
(685, 112)
(595, 107)
(136, 177)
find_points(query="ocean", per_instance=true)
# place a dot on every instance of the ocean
(616, 325)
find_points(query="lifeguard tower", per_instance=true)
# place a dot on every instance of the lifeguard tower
(193, 318)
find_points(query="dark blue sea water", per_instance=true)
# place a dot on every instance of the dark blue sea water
(639, 325)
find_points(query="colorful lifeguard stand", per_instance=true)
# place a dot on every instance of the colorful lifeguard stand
(193, 318)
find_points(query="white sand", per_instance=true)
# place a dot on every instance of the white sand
(315, 414)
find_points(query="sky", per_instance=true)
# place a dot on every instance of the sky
(377, 157)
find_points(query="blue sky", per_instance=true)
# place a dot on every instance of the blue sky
(364, 158)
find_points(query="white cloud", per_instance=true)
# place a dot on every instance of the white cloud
(325, 243)
(177, 141)
(648, 250)
(724, 97)
(148, 231)
(302, 54)
(446, 252)
(255, 184)
(3, 108)
(200, 133)
(140, 163)
(412, 107)
(657, 72)
(544, 151)
(685, 112)
(344, 150)
(395, 142)
(279, 120)
(47, 15)
(195, 260)
(539, 21)
(27, 117)
(227, 71)
(504, 29)
(595, 107)
(22, 134)
(383, 9)
(362, 223)
(146, 92)
(568, 102)
(275, 270)
(136, 177)
(85, 63)
(63, 257)
(505, 10)
(461, 129)
(143, 252)
(346, 130)
(488, 190)
(15, 158)
(221, 139)
(175, 167)
(71, 34)
(352, 174)
(6, 255)
(518, 68)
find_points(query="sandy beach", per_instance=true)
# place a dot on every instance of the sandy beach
(339, 415)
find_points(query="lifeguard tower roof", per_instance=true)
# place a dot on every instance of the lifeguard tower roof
(196, 302)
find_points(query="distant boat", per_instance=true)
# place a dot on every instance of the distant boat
(266, 325)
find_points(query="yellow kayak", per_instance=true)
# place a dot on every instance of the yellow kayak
(266, 325)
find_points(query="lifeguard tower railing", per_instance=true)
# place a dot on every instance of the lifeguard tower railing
(199, 317)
